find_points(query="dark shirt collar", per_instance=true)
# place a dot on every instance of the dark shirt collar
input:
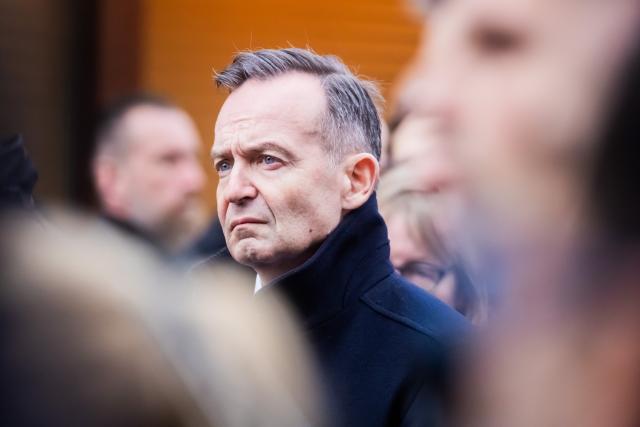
(354, 257)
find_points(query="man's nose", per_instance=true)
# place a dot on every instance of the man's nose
(437, 100)
(239, 187)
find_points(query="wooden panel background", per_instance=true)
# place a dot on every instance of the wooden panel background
(182, 42)
(35, 57)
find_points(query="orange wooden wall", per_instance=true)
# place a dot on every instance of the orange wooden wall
(182, 42)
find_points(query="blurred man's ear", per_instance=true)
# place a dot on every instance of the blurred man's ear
(105, 175)
(360, 177)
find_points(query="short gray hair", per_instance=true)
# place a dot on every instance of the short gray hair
(352, 122)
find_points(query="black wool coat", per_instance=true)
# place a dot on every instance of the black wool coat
(383, 345)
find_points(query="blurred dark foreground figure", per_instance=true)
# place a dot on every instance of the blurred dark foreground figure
(18, 175)
(540, 101)
(94, 332)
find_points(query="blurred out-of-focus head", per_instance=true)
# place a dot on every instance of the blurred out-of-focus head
(524, 90)
(540, 99)
(146, 168)
(413, 137)
(418, 143)
(415, 132)
(297, 144)
(96, 332)
(422, 248)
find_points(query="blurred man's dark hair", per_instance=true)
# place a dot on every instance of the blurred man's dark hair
(112, 115)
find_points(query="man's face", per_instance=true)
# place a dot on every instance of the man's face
(521, 87)
(279, 195)
(160, 177)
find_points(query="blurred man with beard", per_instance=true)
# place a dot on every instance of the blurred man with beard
(147, 173)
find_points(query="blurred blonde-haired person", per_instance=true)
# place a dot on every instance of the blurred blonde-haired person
(96, 332)
(421, 248)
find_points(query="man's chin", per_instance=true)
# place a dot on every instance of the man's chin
(248, 252)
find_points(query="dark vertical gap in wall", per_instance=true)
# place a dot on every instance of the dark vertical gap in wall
(83, 103)
(106, 67)
(119, 33)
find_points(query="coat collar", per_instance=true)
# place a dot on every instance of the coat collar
(354, 257)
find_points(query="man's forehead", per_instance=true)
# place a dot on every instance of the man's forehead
(497, 6)
(153, 128)
(255, 125)
(245, 128)
(248, 133)
(282, 108)
(142, 115)
(143, 120)
(298, 97)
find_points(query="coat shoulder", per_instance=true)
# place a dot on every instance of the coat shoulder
(403, 302)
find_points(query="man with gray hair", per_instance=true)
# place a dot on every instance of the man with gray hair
(297, 144)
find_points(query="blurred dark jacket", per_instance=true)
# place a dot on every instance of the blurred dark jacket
(384, 346)
(211, 249)
(211, 243)
(18, 176)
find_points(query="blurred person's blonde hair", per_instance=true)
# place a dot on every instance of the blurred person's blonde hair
(402, 195)
(97, 332)
(399, 193)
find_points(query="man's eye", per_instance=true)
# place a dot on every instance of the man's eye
(269, 160)
(497, 41)
(170, 159)
(223, 166)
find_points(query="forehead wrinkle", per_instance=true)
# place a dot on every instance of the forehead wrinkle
(225, 135)
(244, 121)
(247, 145)
(245, 129)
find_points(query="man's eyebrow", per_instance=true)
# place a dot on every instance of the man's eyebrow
(260, 147)
(216, 153)
(253, 148)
